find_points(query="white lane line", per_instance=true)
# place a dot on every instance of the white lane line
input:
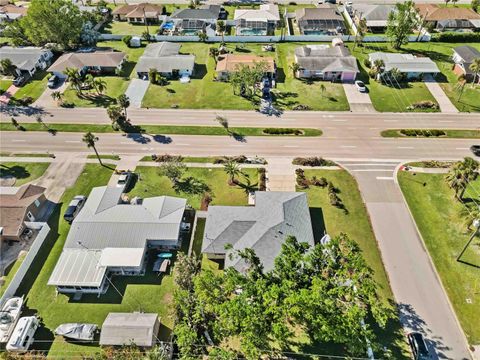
(183, 144)
(290, 146)
(390, 120)
(370, 164)
(372, 170)
(72, 141)
(405, 147)
(339, 120)
(348, 146)
(17, 140)
(125, 142)
(445, 121)
(384, 178)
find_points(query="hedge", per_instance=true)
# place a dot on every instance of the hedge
(282, 131)
(423, 133)
(456, 37)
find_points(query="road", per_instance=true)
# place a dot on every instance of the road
(351, 139)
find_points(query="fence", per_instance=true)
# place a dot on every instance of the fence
(27, 262)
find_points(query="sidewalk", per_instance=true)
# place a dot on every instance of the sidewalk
(444, 102)
(280, 174)
(5, 97)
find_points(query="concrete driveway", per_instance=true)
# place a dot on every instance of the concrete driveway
(359, 102)
(45, 100)
(136, 91)
(439, 95)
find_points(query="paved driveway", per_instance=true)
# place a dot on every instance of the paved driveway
(136, 91)
(45, 100)
(359, 102)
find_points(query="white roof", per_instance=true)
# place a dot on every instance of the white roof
(122, 257)
(266, 12)
(130, 328)
(405, 62)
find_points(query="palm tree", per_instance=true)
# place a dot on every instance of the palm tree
(221, 28)
(475, 67)
(470, 213)
(90, 139)
(460, 175)
(213, 52)
(74, 78)
(100, 85)
(378, 66)
(232, 169)
(57, 96)
(202, 36)
(295, 68)
(153, 75)
(114, 113)
(124, 102)
(322, 88)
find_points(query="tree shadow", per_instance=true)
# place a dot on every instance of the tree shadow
(200, 71)
(99, 100)
(238, 137)
(12, 110)
(281, 75)
(162, 139)
(17, 171)
(138, 138)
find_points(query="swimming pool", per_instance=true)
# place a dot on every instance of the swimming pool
(169, 25)
(252, 32)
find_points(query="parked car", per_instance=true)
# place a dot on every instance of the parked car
(419, 348)
(74, 208)
(19, 81)
(360, 86)
(124, 179)
(53, 81)
(475, 149)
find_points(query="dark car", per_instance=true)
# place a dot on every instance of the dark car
(74, 208)
(53, 81)
(19, 81)
(475, 149)
(419, 348)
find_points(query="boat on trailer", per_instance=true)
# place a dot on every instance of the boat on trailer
(9, 315)
(23, 334)
(77, 331)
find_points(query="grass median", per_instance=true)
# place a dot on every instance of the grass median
(436, 133)
(156, 129)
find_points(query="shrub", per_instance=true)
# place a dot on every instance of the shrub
(312, 161)
(367, 63)
(126, 39)
(262, 186)
(240, 159)
(425, 104)
(167, 158)
(455, 37)
(372, 73)
(301, 107)
(322, 182)
(334, 199)
(422, 132)
(301, 179)
(282, 131)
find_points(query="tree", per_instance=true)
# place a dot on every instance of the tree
(322, 88)
(221, 28)
(124, 102)
(146, 36)
(475, 67)
(202, 36)
(90, 139)
(213, 52)
(246, 77)
(99, 85)
(56, 21)
(57, 96)
(475, 5)
(173, 170)
(223, 121)
(7, 67)
(75, 79)
(460, 86)
(153, 75)
(401, 23)
(446, 2)
(460, 175)
(114, 112)
(127, 39)
(361, 31)
(295, 68)
(89, 36)
(232, 169)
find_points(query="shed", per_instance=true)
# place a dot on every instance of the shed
(136, 328)
(136, 41)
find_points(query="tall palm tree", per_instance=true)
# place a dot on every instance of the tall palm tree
(100, 85)
(294, 67)
(475, 67)
(7, 67)
(232, 169)
(221, 28)
(74, 78)
(90, 139)
(124, 102)
(470, 213)
(57, 96)
(213, 52)
(114, 113)
(460, 175)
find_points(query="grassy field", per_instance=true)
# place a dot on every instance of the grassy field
(202, 92)
(23, 172)
(4, 85)
(389, 98)
(191, 159)
(458, 134)
(148, 293)
(438, 217)
(356, 225)
(153, 184)
(125, 28)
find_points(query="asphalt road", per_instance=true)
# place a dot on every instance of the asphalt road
(351, 139)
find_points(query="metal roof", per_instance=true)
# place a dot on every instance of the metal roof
(266, 12)
(164, 57)
(263, 227)
(405, 62)
(140, 329)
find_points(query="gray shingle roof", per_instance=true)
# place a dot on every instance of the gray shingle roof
(24, 58)
(164, 57)
(207, 12)
(331, 59)
(263, 227)
(405, 62)
(372, 12)
(467, 53)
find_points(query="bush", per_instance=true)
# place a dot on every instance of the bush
(301, 179)
(422, 132)
(312, 161)
(126, 39)
(367, 63)
(293, 3)
(425, 104)
(301, 107)
(282, 131)
(262, 172)
(372, 73)
(167, 158)
(455, 37)
(240, 159)
(25, 101)
(322, 182)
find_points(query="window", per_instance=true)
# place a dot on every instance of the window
(30, 216)
(37, 203)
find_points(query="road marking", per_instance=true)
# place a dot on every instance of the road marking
(72, 141)
(384, 178)
(183, 144)
(390, 120)
(290, 146)
(339, 120)
(16, 140)
(405, 147)
(461, 148)
(370, 164)
(445, 121)
(371, 170)
(348, 146)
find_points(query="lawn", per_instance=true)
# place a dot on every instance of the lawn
(125, 28)
(356, 225)
(150, 183)
(10, 273)
(148, 293)
(438, 217)
(4, 85)
(23, 172)
(33, 88)
(389, 98)
(202, 92)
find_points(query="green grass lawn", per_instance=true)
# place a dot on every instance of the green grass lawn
(33, 88)
(23, 172)
(10, 273)
(389, 98)
(438, 217)
(356, 225)
(153, 184)
(125, 28)
(4, 85)
(203, 93)
(148, 293)
(458, 134)
(104, 156)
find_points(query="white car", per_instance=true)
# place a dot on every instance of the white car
(360, 86)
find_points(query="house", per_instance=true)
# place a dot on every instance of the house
(20, 206)
(10, 12)
(376, 16)
(165, 57)
(448, 18)
(138, 13)
(262, 21)
(412, 66)
(103, 62)
(27, 59)
(109, 237)
(229, 63)
(262, 227)
(463, 57)
(326, 63)
(191, 21)
(140, 329)
(322, 20)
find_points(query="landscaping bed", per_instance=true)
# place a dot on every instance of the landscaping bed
(441, 221)
(23, 172)
(447, 133)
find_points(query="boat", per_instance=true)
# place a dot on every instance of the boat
(9, 315)
(165, 255)
(77, 331)
(22, 336)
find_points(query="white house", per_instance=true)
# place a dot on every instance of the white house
(27, 59)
